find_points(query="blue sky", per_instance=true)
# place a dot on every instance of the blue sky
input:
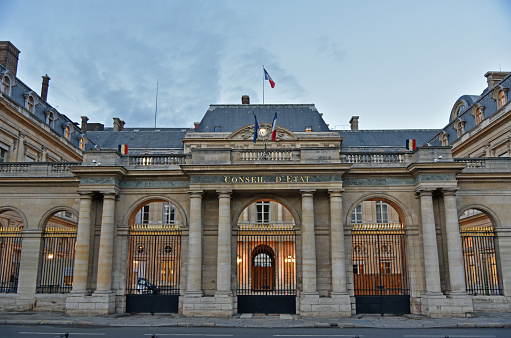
(396, 64)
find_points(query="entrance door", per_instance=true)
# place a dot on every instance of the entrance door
(380, 272)
(266, 271)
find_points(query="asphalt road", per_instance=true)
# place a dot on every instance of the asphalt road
(43, 331)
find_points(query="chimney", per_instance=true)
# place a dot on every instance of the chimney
(9, 56)
(118, 124)
(245, 99)
(196, 124)
(83, 126)
(44, 88)
(495, 77)
(354, 122)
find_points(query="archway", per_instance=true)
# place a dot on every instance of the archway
(154, 257)
(266, 250)
(380, 268)
(479, 258)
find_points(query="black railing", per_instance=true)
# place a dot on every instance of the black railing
(481, 270)
(10, 253)
(57, 261)
(154, 259)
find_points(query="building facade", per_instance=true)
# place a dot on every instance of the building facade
(220, 220)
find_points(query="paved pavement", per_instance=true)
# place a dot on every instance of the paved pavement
(249, 320)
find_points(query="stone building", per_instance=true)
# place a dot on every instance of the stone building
(219, 220)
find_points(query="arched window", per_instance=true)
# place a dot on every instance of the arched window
(6, 85)
(459, 126)
(67, 132)
(479, 115)
(7, 81)
(31, 101)
(502, 99)
(30, 104)
(82, 143)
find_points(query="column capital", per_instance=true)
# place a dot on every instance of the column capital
(307, 192)
(449, 191)
(424, 192)
(85, 195)
(196, 193)
(335, 192)
(226, 193)
(109, 195)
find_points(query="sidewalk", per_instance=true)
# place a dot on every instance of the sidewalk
(248, 320)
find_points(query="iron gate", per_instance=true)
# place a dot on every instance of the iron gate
(10, 254)
(266, 269)
(481, 272)
(154, 268)
(57, 260)
(380, 273)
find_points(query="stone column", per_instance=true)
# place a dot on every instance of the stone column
(81, 267)
(106, 244)
(337, 243)
(223, 274)
(308, 244)
(429, 242)
(193, 284)
(454, 249)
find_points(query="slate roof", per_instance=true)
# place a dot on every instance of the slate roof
(294, 117)
(385, 138)
(148, 138)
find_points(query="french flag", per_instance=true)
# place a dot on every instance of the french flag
(274, 128)
(268, 77)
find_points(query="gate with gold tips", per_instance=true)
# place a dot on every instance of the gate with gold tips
(154, 267)
(266, 269)
(380, 274)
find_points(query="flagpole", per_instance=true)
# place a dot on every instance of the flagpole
(264, 77)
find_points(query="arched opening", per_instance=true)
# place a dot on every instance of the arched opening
(266, 251)
(11, 224)
(379, 257)
(154, 258)
(479, 259)
(57, 257)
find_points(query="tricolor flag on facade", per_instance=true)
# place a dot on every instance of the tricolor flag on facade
(410, 144)
(274, 128)
(268, 77)
(123, 149)
(256, 128)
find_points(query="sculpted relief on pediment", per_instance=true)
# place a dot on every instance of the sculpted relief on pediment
(247, 133)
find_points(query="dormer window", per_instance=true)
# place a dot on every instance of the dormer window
(51, 117)
(308, 129)
(459, 125)
(8, 80)
(82, 143)
(444, 138)
(500, 95)
(459, 107)
(31, 101)
(67, 132)
(478, 113)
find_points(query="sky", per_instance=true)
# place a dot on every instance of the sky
(395, 64)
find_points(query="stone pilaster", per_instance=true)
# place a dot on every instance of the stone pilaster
(29, 264)
(431, 265)
(454, 250)
(193, 284)
(339, 293)
(223, 280)
(106, 244)
(81, 267)
(309, 295)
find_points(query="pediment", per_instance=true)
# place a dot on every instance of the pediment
(247, 133)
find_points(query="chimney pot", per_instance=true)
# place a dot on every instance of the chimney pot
(118, 124)
(354, 122)
(245, 99)
(44, 88)
(83, 126)
(495, 77)
(9, 56)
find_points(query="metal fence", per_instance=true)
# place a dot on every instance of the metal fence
(10, 253)
(57, 260)
(266, 259)
(481, 271)
(154, 259)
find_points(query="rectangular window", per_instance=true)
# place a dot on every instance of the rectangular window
(3, 154)
(358, 268)
(382, 212)
(142, 216)
(218, 129)
(168, 213)
(356, 217)
(308, 129)
(385, 267)
(263, 212)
